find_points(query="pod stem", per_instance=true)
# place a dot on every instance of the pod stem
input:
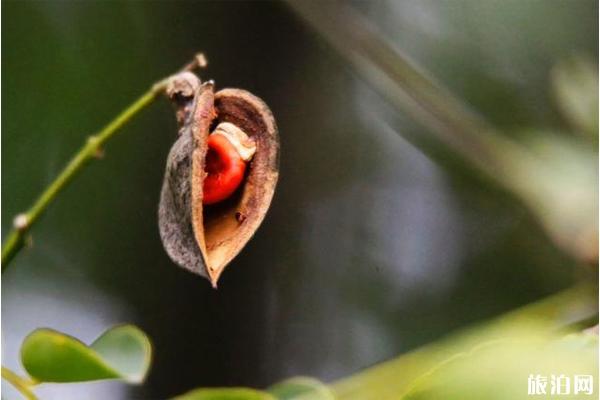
(23, 385)
(91, 149)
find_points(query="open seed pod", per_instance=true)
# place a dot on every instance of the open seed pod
(205, 238)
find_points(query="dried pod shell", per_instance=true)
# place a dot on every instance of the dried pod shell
(201, 238)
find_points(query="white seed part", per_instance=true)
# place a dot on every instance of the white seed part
(238, 139)
(20, 222)
(201, 60)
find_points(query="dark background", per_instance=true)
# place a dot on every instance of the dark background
(372, 247)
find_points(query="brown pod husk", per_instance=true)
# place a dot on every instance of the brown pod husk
(204, 239)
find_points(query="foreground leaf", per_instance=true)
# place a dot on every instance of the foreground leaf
(122, 352)
(500, 370)
(301, 388)
(225, 394)
(490, 361)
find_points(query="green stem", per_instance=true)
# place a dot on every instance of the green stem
(23, 385)
(23, 222)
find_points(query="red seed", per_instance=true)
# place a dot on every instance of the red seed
(225, 170)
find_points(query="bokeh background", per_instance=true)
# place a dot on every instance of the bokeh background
(374, 244)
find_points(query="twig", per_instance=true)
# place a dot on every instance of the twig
(520, 169)
(24, 221)
(92, 147)
(404, 83)
(23, 385)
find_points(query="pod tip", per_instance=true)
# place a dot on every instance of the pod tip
(213, 277)
(213, 282)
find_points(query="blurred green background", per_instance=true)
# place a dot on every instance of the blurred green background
(372, 246)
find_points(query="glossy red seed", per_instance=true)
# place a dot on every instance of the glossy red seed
(225, 170)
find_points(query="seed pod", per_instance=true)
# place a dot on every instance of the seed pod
(205, 238)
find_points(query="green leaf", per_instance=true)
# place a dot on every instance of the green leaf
(123, 352)
(490, 361)
(295, 388)
(225, 394)
(500, 370)
(301, 388)
(127, 349)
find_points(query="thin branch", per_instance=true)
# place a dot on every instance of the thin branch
(537, 180)
(407, 86)
(23, 385)
(90, 150)
(23, 222)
